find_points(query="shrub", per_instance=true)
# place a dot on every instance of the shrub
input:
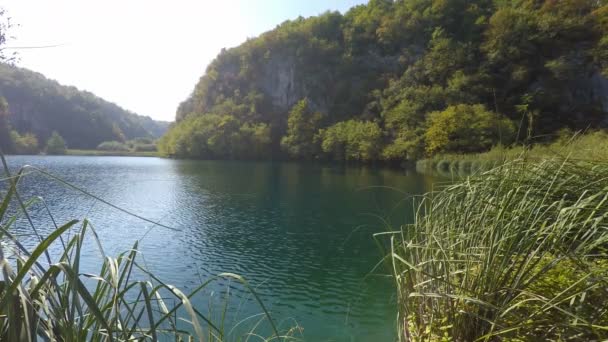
(145, 148)
(56, 144)
(351, 140)
(466, 128)
(24, 144)
(112, 146)
(142, 141)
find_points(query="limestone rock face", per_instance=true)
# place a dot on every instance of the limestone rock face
(279, 82)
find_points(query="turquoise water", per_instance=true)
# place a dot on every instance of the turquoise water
(301, 234)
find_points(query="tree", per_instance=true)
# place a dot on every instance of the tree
(393, 63)
(56, 144)
(5, 27)
(352, 140)
(6, 143)
(302, 125)
(24, 144)
(466, 128)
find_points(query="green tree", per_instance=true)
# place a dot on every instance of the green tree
(393, 63)
(600, 52)
(302, 125)
(351, 140)
(25, 144)
(56, 144)
(466, 128)
(6, 143)
(113, 146)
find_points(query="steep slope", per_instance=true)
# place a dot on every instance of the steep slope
(40, 106)
(389, 67)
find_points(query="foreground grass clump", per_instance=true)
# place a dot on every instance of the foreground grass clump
(517, 253)
(591, 146)
(46, 296)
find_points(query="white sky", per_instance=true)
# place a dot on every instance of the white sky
(146, 56)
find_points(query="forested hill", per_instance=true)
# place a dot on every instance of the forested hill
(40, 106)
(397, 80)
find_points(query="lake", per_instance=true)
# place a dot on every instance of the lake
(301, 234)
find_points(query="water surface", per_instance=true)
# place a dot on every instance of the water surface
(300, 233)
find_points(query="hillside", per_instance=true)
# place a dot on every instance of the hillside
(40, 106)
(395, 80)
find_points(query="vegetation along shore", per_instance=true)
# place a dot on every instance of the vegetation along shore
(509, 95)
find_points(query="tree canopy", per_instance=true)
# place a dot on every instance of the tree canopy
(56, 144)
(401, 70)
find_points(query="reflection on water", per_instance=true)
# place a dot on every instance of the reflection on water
(300, 233)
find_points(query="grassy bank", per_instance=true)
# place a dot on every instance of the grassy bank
(72, 152)
(518, 253)
(591, 146)
(46, 296)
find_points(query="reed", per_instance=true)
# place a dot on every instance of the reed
(515, 253)
(590, 146)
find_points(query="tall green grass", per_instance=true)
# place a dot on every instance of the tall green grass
(591, 146)
(518, 253)
(47, 297)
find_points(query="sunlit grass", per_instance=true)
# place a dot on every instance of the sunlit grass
(592, 146)
(515, 253)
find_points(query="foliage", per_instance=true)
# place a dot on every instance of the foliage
(395, 62)
(6, 142)
(213, 136)
(351, 140)
(135, 145)
(56, 144)
(130, 153)
(112, 146)
(302, 125)
(40, 106)
(141, 144)
(5, 27)
(516, 253)
(466, 128)
(145, 148)
(24, 144)
(590, 146)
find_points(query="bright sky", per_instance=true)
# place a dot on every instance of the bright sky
(146, 56)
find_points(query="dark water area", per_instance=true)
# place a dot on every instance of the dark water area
(301, 234)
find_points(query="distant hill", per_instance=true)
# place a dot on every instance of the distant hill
(40, 106)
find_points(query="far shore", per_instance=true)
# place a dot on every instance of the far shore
(71, 152)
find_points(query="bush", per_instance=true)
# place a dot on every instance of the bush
(466, 128)
(142, 141)
(517, 253)
(351, 140)
(56, 144)
(145, 148)
(113, 146)
(24, 144)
